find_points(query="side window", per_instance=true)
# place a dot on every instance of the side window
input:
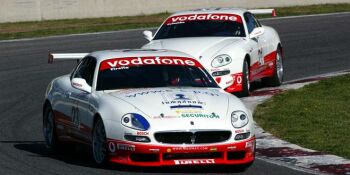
(256, 21)
(251, 22)
(86, 70)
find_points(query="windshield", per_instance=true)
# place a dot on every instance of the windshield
(204, 25)
(151, 75)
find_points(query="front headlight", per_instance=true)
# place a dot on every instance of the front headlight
(221, 60)
(239, 119)
(135, 121)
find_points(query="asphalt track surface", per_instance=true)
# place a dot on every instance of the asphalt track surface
(313, 45)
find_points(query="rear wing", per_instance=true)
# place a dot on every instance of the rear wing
(65, 56)
(263, 11)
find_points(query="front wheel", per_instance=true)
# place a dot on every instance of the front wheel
(49, 129)
(99, 142)
(278, 74)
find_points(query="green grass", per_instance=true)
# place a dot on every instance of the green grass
(316, 116)
(72, 26)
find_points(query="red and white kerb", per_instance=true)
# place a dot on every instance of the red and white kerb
(203, 17)
(137, 61)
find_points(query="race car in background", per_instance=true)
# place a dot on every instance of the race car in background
(147, 108)
(230, 43)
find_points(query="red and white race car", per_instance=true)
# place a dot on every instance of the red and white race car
(147, 108)
(230, 43)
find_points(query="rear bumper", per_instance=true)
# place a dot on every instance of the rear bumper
(136, 154)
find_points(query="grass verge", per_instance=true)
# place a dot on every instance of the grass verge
(72, 26)
(316, 116)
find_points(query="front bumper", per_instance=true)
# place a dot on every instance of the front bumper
(141, 154)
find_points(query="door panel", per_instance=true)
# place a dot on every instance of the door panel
(84, 118)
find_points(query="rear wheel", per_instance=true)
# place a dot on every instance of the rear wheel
(277, 78)
(245, 80)
(49, 129)
(99, 143)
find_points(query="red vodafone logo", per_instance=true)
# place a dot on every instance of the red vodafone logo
(202, 17)
(239, 79)
(135, 61)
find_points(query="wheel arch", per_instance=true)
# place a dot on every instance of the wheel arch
(279, 47)
(247, 57)
(46, 104)
(97, 116)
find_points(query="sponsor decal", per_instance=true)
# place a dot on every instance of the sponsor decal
(125, 147)
(75, 117)
(215, 69)
(121, 63)
(154, 150)
(178, 111)
(185, 106)
(181, 97)
(237, 83)
(206, 93)
(229, 82)
(194, 161)
(111, 147)
(165, 116)
(239, 131)
(142, 133)
(150, 92)
(203, 17)
(212, 115)
(181, 100)
(230, 148)
(239, 79)
(213, 149)
(194, 148)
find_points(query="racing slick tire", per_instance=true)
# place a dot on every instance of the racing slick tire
(99, 143)
(245, 81)
(49, 130)
(277, 78)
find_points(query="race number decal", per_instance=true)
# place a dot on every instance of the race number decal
(260, 57)
(75, 117)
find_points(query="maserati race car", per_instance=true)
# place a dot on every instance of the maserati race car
(230, 43)
(147, 108)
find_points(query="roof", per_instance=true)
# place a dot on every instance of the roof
(237, 11)
(109, 54)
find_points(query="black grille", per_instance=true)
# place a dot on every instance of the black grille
(198, 137)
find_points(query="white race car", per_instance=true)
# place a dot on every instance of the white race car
(230, 43)
(147, 108)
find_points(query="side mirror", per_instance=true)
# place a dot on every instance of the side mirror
(257, 32)
(148, 35)
(81, 84)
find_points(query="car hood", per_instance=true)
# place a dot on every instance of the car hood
(179, 108)
(195, 46)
